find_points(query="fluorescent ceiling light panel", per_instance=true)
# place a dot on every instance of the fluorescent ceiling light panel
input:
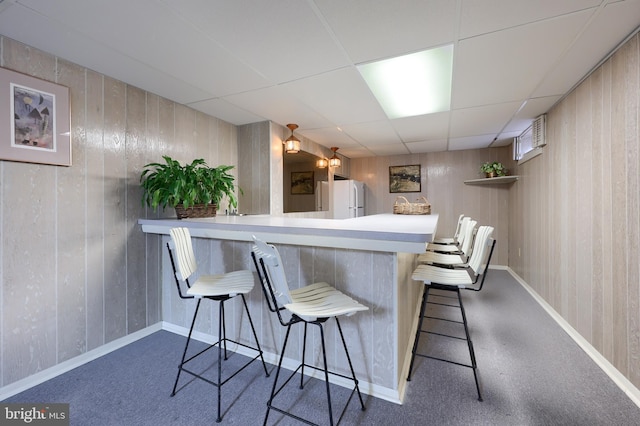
(414, 84)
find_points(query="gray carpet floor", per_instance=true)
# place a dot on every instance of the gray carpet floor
(531, 372)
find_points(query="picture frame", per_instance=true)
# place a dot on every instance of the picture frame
(405, 178)
(302, 183)
(35, 117)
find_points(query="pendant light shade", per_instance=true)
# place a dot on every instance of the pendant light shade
(334, 161)
(292, 144)
(322, 163)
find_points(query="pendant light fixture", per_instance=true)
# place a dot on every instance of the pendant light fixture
(322, 163)
(334, 161)
(292, 144)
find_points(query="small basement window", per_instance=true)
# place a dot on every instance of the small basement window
(531, 142)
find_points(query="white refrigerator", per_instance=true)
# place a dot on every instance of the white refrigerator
(322, 195)
(348, 199)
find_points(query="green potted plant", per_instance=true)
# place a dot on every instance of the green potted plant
(194, 190)
(493, 169)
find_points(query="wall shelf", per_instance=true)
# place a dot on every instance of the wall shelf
(492, 181)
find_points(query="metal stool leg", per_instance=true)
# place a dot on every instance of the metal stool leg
(186, 346)
(275, 380)
(220, 334)
(304, 351)
(326, 373)
(353, 373)
(425, 296)
(472, 354)
(255, 335)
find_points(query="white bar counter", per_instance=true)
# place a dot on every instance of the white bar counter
(370, 258)
(381, 232)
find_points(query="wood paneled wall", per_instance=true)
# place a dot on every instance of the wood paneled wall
(574, 216)
(254, 155)
(76, 272)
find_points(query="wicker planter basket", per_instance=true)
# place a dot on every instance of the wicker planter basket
(403, 206)
(196, 211)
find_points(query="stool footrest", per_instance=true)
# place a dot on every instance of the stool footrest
(211, 382)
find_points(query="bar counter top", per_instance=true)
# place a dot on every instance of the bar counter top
(381, 232)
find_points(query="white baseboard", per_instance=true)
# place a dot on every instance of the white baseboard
(499, 267)
(618, 378)
(49, 373)
(381, 392)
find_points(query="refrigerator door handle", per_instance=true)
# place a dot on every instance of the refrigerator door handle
(355, 200)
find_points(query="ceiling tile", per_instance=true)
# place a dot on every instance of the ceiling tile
(357, 152)
(620, 19)
(422, 127)
(274, 41)
(329, 136)
(470, 142)
(508, 65)
(480, 17)
(392, 149)
(372, 30)
(505, 139)
(374, 133)
(74, 46)
(341, 96)
(158, 43)
(532, 109)
(277, 105)
(488, 119)
(435, 145)
(226, 111)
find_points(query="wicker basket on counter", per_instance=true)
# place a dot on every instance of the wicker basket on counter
(403, 206)
(196, 211)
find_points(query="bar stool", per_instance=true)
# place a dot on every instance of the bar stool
(314, 304)
(453, 258)
(450, 240)
(453, 280)
(457, 245)
(219, 288)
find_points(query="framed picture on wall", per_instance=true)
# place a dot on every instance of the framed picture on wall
(302, 182)
(35, 120)
(404, 178)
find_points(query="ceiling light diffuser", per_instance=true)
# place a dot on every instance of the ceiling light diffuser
(414, 84)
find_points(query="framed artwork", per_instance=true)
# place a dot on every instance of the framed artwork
(35, 120)
(302, 182)
(404, 178)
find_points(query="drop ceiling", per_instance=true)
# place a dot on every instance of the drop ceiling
(294, 61)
